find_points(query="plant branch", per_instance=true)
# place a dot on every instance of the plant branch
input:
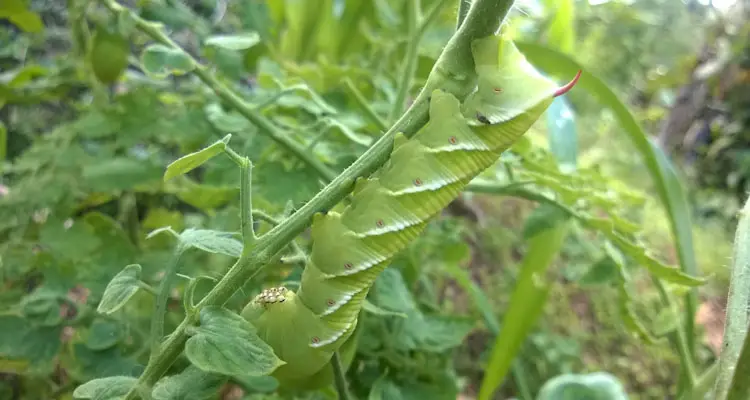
(160, 309)
(453, 73)
(463, 8)
(362, 103)
(417, 30)
(340, 377)
(246, 202)
(263, 124)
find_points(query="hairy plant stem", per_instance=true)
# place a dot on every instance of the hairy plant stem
(416, 31)
(463, 8)
(162, 296)
(453, 72)
(340, 377)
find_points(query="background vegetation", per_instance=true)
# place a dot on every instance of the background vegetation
(550, 271)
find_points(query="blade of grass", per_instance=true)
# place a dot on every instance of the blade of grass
(736, 323)
(526, 305)
(668, 185)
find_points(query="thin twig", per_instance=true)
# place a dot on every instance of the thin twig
(340, 377)
(362, 103)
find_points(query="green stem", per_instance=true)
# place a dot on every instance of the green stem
(362, 103)
(704, 384)
(340, 377)
(263, 216)
(678, 338)
(148, 288)
(453, 72)
(160, 309)
(246, 203)
(463, 8)
(416, 32)
(410, 66)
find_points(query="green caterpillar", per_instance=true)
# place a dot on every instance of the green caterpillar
(354, 244)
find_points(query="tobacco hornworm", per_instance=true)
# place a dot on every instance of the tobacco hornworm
(353, 244)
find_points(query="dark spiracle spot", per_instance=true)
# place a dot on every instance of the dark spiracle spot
(453, 140)
(380, 223)
(481, 118)
(348, 266)
(315, 340)
(330, 302)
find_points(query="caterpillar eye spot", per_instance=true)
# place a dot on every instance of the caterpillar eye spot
(380, 223)
(481, 118)
(453, 140)
(417, 182)
(315, 340)
(348, 266)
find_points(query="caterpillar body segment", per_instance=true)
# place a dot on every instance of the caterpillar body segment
(355, 243)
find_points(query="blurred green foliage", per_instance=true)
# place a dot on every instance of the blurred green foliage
(81, 187)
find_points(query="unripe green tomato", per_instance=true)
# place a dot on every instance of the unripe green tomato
(108, 55)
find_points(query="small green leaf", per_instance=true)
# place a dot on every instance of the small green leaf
(110, 388)
(257, 384)
(242, 41)
(544, 217)
(594, 386)
(190, 384)
(160, 61)
(18, 13)
(226, 121)
(433, 333)
(226, 344)
(191, 161)
(665, 322)
(390, 292)
(601, 272)
(42, 307)
(103, 334)
(212, 241)
(120, 289)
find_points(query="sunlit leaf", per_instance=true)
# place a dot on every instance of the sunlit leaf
(110, 388)
(190, 384)
(241, 41)
(594, 386)
(212, 241)
(120, 289)
(225, 343)
(191, 161)
(160, 61)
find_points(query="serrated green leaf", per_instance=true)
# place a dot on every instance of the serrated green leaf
(194, 160)
(391, 293)
(161, 61)
(432, 333)
(225, 343)
(94, 364)
(190, 384)
(240, 41)
(110, 388)
(212, 241)
(37, 345)
(601, 272)
(668, 185)
(120, 289)
(68, 241)
(594, 386)
(103, 334)
(42, 307)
